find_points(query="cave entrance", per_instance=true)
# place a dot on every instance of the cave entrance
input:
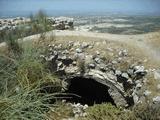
(88, 91)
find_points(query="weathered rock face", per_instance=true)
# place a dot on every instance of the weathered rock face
(122, 86)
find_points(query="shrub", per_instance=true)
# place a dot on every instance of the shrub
(13, 45)
(39, 23)
(106, 112)
(29, 72)
(147, 111)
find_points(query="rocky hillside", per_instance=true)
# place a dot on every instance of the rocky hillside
(60, 23)
(73, 75)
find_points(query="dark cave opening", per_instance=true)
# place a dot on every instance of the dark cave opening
(88, 91)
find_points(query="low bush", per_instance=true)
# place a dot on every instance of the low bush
(14, 47)
(147, 111)
(107, 112)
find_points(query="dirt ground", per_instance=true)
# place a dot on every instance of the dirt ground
(143, 46)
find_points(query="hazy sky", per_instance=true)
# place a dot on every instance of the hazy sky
(124, 6)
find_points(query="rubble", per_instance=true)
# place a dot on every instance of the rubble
(98, 70)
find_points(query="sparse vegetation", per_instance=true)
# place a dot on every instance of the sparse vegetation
(26, 104)
(81, 66)
(13, 45)
(20, 80)
(107, 112)
(22, 72)
(38, 24)
(61, 111)
(147, 111)
(154, 40)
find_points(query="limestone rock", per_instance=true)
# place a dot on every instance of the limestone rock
(84, 45)
(123, 53)
(156, 99)
(139, 69)
(125, 75)
(89, 59)
(71, 70)
(135, 98)
(139, 85)
(157, 75)
(114, 62)
(118, 99)
(78, 50)
(92, 65)
(97, 52)
(79, 110)
(147, 93)
(118, 72)
(97, 60)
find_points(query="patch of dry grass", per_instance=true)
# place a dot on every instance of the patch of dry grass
(60, 112)
(107, 112)
(154, 40)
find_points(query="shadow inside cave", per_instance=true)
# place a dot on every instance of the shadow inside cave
(88, 91)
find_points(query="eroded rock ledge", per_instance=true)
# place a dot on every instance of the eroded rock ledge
(73, 61)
